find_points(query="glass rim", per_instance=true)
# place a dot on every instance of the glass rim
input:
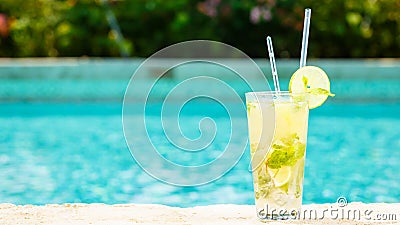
(273, 93)
(272, 96)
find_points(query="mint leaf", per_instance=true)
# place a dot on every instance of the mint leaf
(287, 153)
(300, 150)
(280, 157)
(289, 140)
(319, 91)
(299, 181)
(249, 106)
(264, 186)
(305, 81)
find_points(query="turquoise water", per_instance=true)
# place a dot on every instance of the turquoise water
(76, 152)
(61, 135)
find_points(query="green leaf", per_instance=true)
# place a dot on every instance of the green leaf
(289, 140)
(264, 186)
(280, 157)
(319, 91)
(287, 153)
(249, 106)
(353, 18)
(300, 150)
(305, 81)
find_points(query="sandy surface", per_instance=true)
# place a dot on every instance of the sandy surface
(213, 214)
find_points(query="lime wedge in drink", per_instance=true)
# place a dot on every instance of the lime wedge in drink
(311, 80)
(280, 176)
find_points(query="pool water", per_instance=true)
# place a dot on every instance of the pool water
(76, 152)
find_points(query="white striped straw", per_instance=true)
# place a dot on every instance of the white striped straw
(304, 43)
(273, 65)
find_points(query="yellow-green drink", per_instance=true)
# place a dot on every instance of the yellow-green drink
(277, 125)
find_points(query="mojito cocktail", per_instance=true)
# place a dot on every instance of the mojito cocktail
(278, 135)
(277, 123)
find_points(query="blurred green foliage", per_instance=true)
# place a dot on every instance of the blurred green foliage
(339, 28)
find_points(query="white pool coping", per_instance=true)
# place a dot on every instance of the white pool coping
(376, 213)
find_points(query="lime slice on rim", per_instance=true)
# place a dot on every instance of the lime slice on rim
(311, 80)
(280, 176)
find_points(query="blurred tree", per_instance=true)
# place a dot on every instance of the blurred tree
(355, 28)
(84, 31)
(339, 28)
(31, 27)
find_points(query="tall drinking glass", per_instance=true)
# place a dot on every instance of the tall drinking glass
(277, 123)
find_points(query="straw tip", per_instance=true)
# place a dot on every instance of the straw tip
(308, 11)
